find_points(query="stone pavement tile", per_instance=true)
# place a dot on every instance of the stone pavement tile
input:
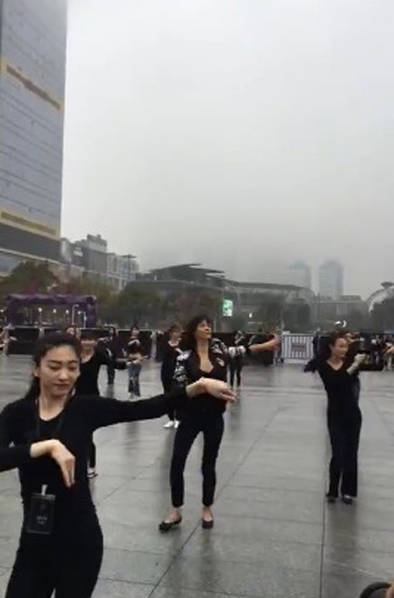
(273, 553)
(134, 566)
(8, 548)
(270, 504)
(164, 592)
(360, 539)
(376, 513)
(121, 589)
(146, 538)
(256, 530)
(345, 561)
(243, 579)
(342, 585)
(290, 481)
(4, 577)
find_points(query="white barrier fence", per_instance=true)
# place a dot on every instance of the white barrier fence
(297, 347)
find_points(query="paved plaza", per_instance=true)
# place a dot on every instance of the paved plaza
(274, 535)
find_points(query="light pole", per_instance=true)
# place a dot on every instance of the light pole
(39, 315)
(73, 313)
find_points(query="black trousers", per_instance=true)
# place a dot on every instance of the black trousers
(344, 436)
(212, 427)
(167, 387)
(66, 563)
(111, 372)
(236, 368)
(92, 455)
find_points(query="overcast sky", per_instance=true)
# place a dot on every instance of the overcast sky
(243, 134)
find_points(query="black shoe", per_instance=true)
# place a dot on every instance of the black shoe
(347, 500)
(166, 526)
(331, 499)
(206, 524)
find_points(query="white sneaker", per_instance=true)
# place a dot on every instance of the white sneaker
(176, 424)
(169, 424)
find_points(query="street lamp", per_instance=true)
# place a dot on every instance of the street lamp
(74, 307)
(39, 315)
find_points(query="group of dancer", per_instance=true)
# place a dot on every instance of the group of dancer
(47, 435)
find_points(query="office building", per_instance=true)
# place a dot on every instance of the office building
(32, 83)
(331, 280)
(300, 275)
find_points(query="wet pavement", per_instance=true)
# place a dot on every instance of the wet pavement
(274, 536)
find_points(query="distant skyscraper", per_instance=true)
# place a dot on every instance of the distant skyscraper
(32, 83)
(300, 275)
(331, 279)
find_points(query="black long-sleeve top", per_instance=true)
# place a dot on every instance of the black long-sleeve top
(168, 364)
(187, 370)
(342, 389)
(87, 383)
(20, 427)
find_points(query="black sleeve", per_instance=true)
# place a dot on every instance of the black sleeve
(103, 358)
(10, 456)
(167, 365)
(105, 412)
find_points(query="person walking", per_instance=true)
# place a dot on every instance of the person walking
(170, 353)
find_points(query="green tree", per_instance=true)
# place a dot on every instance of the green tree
(29, 278)
(137, 306)
(270, 311)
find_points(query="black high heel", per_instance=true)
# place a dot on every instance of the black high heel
(166, 526)
(206, 524)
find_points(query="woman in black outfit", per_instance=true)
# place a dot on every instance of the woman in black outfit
(204, 358)
(170, 353)
(87, 384)
(111, 344)
(339, 372)
(46, 435)
(236, 363)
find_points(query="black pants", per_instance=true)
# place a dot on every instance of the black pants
(111, 373)
(167, 386)
(344, 436)
(212, 427)
(236, 368)
(67, 563)
(92, 455)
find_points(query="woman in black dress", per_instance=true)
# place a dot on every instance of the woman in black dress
(339, 373)
(170, 353)
(205, 357)
(46, 435)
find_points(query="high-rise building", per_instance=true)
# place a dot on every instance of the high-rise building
(32, 84)
(300, 274)
(331, 279)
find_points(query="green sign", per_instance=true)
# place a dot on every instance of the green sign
(227, 308)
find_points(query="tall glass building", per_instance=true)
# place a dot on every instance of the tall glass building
(32, 89)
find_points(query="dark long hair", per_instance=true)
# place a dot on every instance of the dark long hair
(190, 330)
(43, 346)
(325, 348)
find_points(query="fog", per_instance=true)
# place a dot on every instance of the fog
(241, 134)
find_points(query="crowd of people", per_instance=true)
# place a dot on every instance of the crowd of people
(48, 436)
